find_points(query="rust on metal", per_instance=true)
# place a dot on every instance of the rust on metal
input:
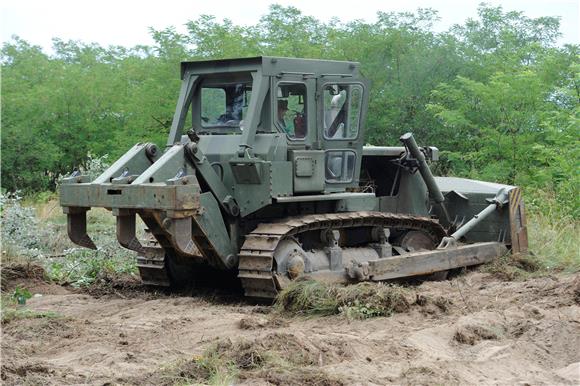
(518, 224)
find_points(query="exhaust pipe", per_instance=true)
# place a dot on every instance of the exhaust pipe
(434, 191)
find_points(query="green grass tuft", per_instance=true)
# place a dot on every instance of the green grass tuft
(12, 314)
(554, 242)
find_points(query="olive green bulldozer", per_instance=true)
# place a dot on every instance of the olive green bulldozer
(265, 175)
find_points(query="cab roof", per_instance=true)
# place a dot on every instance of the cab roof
(273, 66)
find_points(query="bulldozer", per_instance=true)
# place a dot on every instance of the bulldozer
(266, 175)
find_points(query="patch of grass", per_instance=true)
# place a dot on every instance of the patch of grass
(211, 368)
(514, 267)
(80, 267)
(11, 314)
(275, 358)
(359, 301)
(554, 242)
(10, 311)
(553, 248)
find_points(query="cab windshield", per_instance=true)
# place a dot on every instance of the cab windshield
(224, 105)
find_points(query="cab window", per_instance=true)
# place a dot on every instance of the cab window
(291, 109)
(340, 166)
(342, 109)
(224, 105)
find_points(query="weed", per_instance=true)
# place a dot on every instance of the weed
(38, 235)
(21, 295)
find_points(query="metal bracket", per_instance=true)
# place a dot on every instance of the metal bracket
(382, 246)
(334, 252)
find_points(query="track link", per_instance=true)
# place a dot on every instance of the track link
(256, 264)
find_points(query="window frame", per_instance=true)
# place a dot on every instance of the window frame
(323, 111)
(275, 109)
(351, 179)
(197, 104)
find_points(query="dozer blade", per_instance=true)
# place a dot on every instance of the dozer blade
(426, 262)
(77, 226)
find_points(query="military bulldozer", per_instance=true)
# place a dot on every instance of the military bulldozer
(265, 175)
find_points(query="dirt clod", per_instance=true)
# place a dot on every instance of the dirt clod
(472, 334)
(253, 323)
(26, 275)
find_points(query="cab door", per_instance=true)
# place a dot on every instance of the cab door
(342, 105)
(295, 107)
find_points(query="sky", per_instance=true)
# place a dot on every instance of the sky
(127, 22)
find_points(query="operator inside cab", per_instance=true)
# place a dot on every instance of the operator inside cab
(292, 121)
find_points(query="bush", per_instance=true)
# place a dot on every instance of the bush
(46, 243)
(21, 234)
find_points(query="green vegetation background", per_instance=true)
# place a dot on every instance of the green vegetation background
(496, 94)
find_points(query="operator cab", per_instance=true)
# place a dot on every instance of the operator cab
(312, 111)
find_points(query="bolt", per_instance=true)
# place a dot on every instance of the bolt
(151, 150)
(192, 147)
(166, 224)
(231, 260)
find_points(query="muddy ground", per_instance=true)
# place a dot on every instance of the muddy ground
(473, 329)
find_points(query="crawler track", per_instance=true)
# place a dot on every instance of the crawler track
(256, 265)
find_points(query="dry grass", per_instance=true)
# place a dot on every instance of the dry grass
(514, 267)
(362, 300)
(553, 247)
(275, 358)
(472, 334)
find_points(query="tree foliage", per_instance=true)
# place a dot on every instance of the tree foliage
(495, 93)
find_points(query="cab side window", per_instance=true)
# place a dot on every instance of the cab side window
(342, 107)
(340, 166)
(291, 109)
